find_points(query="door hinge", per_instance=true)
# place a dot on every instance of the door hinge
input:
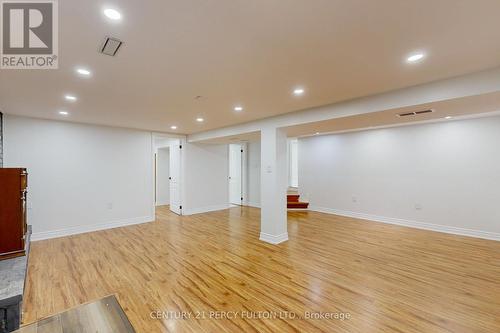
(241, 198)
(242, 150)
(180, 207)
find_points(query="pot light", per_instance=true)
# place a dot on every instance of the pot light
(112, 14)
(238, 108)
(83, 71)
(70, 98)
(200, 120)
(173, 127)
(448, 117)
(299, 91)
(317, 133)
(415, 57)
(63, 113)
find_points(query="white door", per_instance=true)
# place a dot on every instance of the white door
(175, 177)
(162, 174)
(235, 177)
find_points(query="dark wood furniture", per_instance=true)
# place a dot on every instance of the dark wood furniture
(13, 227)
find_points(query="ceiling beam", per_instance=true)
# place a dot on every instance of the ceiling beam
(478, 83)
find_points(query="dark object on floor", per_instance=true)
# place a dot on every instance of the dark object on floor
(102, 316)
(13, 273)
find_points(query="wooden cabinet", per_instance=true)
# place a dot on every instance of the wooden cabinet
(13, 227)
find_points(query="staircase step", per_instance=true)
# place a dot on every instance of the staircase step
(302, 205)
(292, 198)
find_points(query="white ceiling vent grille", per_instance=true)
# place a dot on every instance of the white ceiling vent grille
(111, 46)
(416, 113)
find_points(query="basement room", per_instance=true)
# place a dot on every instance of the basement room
(249, 166)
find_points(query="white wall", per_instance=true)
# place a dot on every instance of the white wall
(236, 176)
(162, 174)
(253, 174)
(293, 163)
(443, 176)
(81, 177)
(206, 170)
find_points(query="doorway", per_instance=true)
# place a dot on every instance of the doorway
(175, 179)
(237, 174)
(162, 197)
(167, 172)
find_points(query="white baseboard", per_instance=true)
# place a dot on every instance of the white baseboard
(411, 224)
(89, 228)
(251, 204)
(206, 209)
(273, 239)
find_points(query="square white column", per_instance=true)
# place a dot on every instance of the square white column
(274, 181)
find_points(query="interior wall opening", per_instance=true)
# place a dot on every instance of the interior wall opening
(167, 172)
(162, 197)
(236, 174)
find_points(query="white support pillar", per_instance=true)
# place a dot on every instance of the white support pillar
(273, 180)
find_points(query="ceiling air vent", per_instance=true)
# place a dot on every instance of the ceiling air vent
(407, 114)
(111, 46)
(425, 111)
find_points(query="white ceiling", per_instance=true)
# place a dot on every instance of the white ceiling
(461, 108)
(251, 53)
(483, 105)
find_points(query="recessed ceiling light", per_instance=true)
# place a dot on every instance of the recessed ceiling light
(200, 120)
(317, 133)
(63, 113)
(70, 98)
(112, 14)
(299, 91)
(83, 71)
(448, 117)
(238, 108)
(173, 127)
(415, 57)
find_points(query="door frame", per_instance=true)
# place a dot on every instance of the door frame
(183, 140)
(244, 173)
(176, 147)
(158, 170)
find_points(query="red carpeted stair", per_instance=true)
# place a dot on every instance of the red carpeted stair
(293, 202)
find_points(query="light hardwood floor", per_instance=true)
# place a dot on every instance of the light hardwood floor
(388, 278)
